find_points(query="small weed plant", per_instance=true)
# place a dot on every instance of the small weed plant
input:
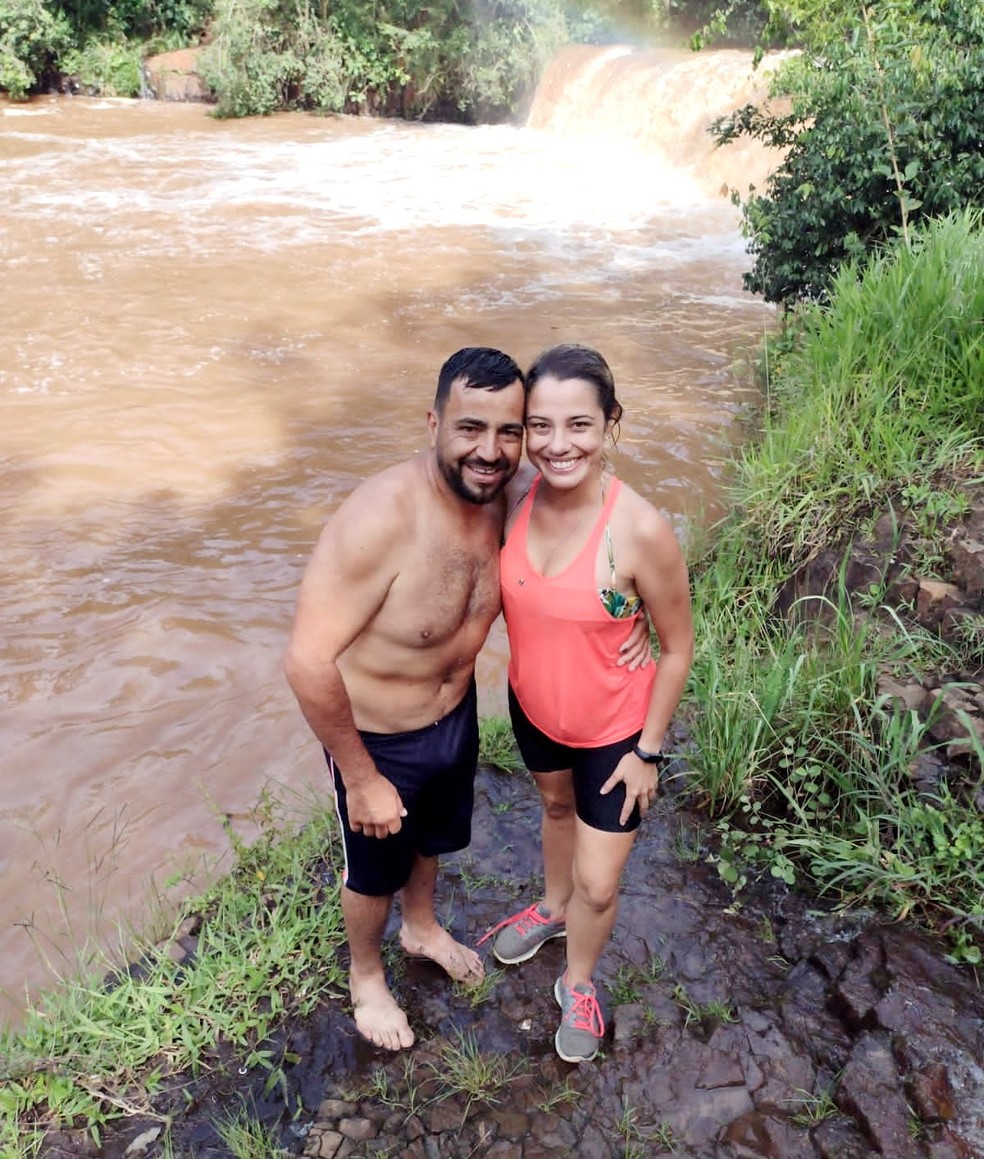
(497, 745)
(810, 1109)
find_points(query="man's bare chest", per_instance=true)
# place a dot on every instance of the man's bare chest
(445, 588)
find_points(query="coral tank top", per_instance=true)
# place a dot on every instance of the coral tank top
(564, 643)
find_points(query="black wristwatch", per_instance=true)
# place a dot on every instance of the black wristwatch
(657, 759)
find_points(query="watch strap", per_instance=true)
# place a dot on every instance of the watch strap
(650, 758)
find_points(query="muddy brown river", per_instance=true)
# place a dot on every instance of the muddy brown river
(209, 331)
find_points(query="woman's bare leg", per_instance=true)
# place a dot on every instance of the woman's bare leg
(557, 833)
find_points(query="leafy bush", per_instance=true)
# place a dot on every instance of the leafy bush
(112, 69)
(392, 58)
(137, 19)
(31, 38)
(885, 129)
(271, 54)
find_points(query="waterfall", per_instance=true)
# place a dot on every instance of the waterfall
(661, 102)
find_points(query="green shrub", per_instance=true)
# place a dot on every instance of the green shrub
(391, 58)
(885, 129)
(32, 35)
(271, 54)
(112, 69)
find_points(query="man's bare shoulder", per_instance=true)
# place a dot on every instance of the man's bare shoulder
(386, 501)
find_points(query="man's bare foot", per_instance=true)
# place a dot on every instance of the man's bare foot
(377, 1015)
(461, 962)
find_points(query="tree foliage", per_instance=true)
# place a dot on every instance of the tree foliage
(449, 60)
(31, 38)
(883, 126)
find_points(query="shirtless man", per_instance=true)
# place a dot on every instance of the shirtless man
(395, 604)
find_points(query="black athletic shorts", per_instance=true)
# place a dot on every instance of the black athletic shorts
(591, 768)
(433, 769)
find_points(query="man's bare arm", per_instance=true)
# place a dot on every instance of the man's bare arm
(344, 586)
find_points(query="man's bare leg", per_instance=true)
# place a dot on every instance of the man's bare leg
(377, 1015)
(421, 934)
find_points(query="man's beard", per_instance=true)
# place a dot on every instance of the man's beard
(454, 476)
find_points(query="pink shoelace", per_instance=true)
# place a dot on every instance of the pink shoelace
(585, 1013)
(524, 921)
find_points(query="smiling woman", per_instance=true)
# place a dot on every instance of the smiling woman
(590, 731)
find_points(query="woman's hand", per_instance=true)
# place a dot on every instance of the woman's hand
(641, 781)
(637, 651)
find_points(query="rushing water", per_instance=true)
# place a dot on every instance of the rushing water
(209, 331)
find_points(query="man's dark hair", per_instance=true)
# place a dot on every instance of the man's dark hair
(476, 366)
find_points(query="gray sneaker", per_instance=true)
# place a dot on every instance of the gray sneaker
(581, 1025)
(519, 937)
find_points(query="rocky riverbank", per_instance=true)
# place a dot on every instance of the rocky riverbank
(763, 1029)
(760, 1028)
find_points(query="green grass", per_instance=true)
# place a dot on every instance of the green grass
(625, 987)
(812, 1109)
(639, 1141)
(704, 1016)
(883, 387)
(874, 403)
(459, 1069)
(249, 1140)
(497, 745)
(95, 1051)
(472, 1074)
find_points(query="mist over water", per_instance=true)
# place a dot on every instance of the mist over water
(210, 331)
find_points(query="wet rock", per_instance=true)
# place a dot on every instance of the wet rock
(336, 1109)
(754, 1136)
(806, 1019)
(358, 1129)
(932, 1093)
(593, 1144)
(934, 599)
(840, 1139)
(173, 76)
(775, 1071)
(323, 1144)
(861, 984)
(139, 1145)
(958, 716)
(871, 1092)
(950, 1147)
(554, 1132)
(70, 1145)
(511, 1124)
(909, 696)
(966, 552)
(629, 1022)
(442, 1117)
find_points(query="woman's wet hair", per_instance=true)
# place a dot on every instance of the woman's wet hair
(572, 360)
(476, 366)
